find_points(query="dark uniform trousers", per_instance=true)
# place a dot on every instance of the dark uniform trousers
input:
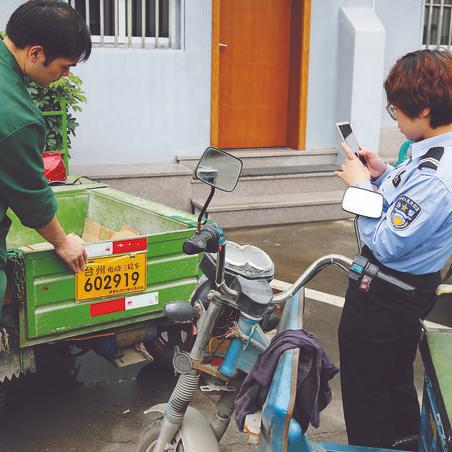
(378, 337)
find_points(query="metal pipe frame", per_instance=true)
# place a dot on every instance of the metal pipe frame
(87, 18)
(444, 13)
(204, 333)
(102, 21)
(440, 24)
(143, 23)
(157, 22)
(123, 14)
(325, 261)
(129, 23)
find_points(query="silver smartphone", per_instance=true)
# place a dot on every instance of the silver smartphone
(345, 131)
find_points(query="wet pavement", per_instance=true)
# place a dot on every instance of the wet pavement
(86, 404)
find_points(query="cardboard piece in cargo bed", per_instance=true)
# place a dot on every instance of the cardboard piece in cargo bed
(92, 232)
(95, 232)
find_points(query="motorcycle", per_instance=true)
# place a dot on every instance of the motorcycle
(234, 309)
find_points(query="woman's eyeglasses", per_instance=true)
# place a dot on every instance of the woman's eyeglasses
(392, 111)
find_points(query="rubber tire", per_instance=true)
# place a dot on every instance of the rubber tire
(162, 348)
(151, 435)
(3, 395)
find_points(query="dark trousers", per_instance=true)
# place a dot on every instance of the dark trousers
(378, 336)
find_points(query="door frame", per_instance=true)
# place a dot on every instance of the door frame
(298, 73)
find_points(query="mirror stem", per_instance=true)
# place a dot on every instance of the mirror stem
(203, 211)
(358, 237)
(221, 258)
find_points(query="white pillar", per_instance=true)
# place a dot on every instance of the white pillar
(360, 72)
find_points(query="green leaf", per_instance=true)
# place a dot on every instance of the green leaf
(67, 89)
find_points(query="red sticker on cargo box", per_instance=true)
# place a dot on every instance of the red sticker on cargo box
(124, 304)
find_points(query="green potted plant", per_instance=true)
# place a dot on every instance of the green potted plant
(65, 96)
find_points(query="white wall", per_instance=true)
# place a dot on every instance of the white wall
(6, 9)
(360, 72)
(148, 105)
(401, 20)
(403, 34)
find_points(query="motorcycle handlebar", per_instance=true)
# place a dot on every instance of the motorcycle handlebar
(198, 243)
(342, 262)
(325, 261)
(395, 282)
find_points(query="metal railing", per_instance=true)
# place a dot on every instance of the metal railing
(133, 23)
(438, 24)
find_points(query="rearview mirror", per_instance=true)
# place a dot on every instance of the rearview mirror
(361, 201)
(219, 169)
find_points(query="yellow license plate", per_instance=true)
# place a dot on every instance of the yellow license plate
(111, 276)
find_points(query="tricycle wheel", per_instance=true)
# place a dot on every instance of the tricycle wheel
(2, 397)
(162, 347)
(148, 439)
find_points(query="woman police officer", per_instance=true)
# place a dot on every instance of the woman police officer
(412, 240)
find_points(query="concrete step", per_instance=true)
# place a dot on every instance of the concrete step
(285, 170)
(166, 183)
(272, 157)
(275, 209)
(264, 185)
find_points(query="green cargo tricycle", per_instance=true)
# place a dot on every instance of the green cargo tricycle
(115, 306)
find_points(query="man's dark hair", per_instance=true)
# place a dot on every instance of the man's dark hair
(422, 79)
(54, 25)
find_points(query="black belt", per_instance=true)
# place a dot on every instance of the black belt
(366, 268)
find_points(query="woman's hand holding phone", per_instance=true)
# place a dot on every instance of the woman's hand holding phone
(360, 164)
(353, 171)
(374, 163)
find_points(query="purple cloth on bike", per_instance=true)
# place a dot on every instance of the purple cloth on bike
(315, 370)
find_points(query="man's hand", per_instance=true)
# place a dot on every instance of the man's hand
(374, 163)
(353, 171)
(71, 250)
(73, 253)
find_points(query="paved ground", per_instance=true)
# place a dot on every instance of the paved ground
(99, 408)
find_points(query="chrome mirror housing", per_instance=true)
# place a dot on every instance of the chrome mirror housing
(363, 202)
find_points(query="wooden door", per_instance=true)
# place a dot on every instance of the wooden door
(253, 75)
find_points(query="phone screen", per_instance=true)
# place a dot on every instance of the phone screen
(350, 139)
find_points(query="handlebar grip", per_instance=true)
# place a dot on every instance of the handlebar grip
(198, 243)
(396, 282)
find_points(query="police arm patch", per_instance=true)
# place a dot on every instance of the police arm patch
(405, 212)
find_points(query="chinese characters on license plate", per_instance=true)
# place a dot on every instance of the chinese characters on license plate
(111, 276)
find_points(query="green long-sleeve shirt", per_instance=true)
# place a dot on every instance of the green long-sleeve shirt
(23, 187)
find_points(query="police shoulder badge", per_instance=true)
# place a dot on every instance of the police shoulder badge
(405, 212)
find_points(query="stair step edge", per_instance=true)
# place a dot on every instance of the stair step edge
(255, 203)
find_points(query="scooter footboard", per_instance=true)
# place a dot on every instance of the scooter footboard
(279, 432)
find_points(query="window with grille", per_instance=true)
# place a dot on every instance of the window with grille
(133, 23)
(438, 23)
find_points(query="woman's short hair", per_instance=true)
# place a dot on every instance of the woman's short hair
(422, 79)
(54, 25)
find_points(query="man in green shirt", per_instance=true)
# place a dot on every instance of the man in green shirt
(44, 40)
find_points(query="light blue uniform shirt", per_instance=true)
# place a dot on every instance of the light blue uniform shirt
(414, 233)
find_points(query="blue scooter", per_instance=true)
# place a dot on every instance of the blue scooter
(233, 309)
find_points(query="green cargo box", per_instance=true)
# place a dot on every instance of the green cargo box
(45, 288)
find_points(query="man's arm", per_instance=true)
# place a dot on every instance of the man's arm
(68, 248)
(24, 188)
